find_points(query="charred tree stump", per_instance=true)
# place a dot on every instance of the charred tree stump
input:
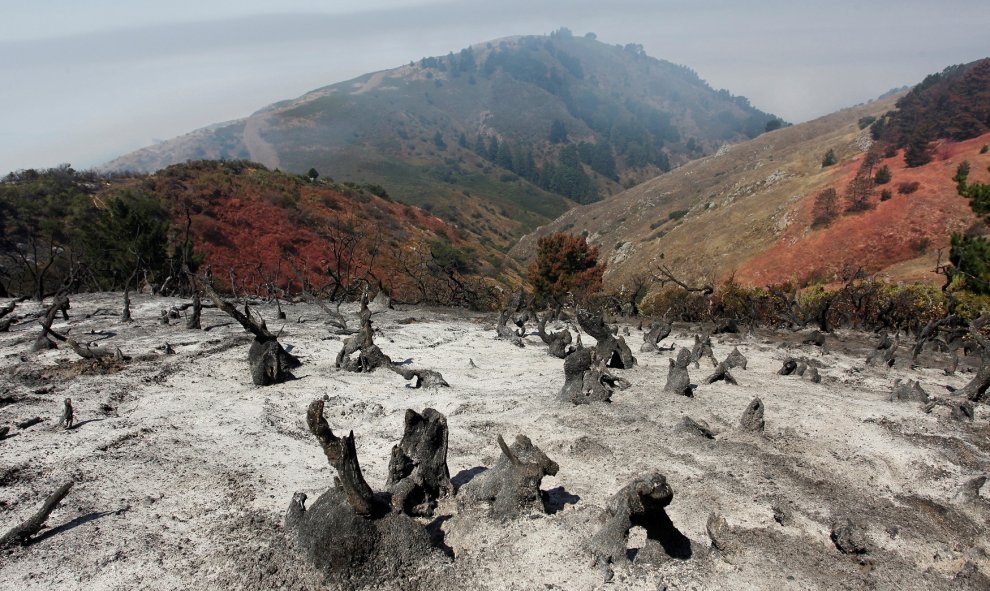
(22, 533)
(575, 365)
(659, 330)
(678, 381)
(702, 348)
(512, 486)
(270, 363)
(503, 330)
(558, 343)
(721, 374)
(908, 391)
(195, 321)
(417, 473)
(343, 457)
(125, 313)
(928, 333)
(67, 418)
(976, 389)
(370, 357)
(791, 366)
(612, 349)
(816, 338)
(884, 353)
(752, 418)
(640, 503)
(587, 380)
(347, 533)
(736, 359)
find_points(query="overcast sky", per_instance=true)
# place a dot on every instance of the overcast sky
(84, 81)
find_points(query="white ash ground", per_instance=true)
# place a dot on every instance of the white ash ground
(184, 468)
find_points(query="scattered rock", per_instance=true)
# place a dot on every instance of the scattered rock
(848, 537)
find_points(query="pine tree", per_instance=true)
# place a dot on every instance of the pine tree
(829, 159)
(826, 208)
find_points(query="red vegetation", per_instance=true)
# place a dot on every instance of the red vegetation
(258, 228)
(565, 263)
(896, 230)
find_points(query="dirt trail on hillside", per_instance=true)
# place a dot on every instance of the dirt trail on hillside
(259, 149)
(184, 469)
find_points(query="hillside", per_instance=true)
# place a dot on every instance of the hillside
(253, 228)
(496, 138)
(748, 210)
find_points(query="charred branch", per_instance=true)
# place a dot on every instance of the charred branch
(342, 455)
(22, 533)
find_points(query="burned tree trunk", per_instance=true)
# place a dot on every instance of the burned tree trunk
(417, 473)
(343, 457)
(195, 321)
(658, 331)
(929, 332)
(43, 343)
(640, 503)
(125, 314)
(67, 417)
(678, 381)
(976, 389)
(558, 343)
(87, 352)
(702, 348)
(512, 486)
(269, 361)
(752, 418)
(612, 349)
(22, 533)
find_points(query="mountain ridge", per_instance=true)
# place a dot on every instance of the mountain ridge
(497, 138)
(752, 212)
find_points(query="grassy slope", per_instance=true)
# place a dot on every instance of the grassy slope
(749, 210)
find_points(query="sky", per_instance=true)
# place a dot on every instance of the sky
(86, 81)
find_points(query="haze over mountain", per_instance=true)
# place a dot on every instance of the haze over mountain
(86, 82)
(497, 137)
